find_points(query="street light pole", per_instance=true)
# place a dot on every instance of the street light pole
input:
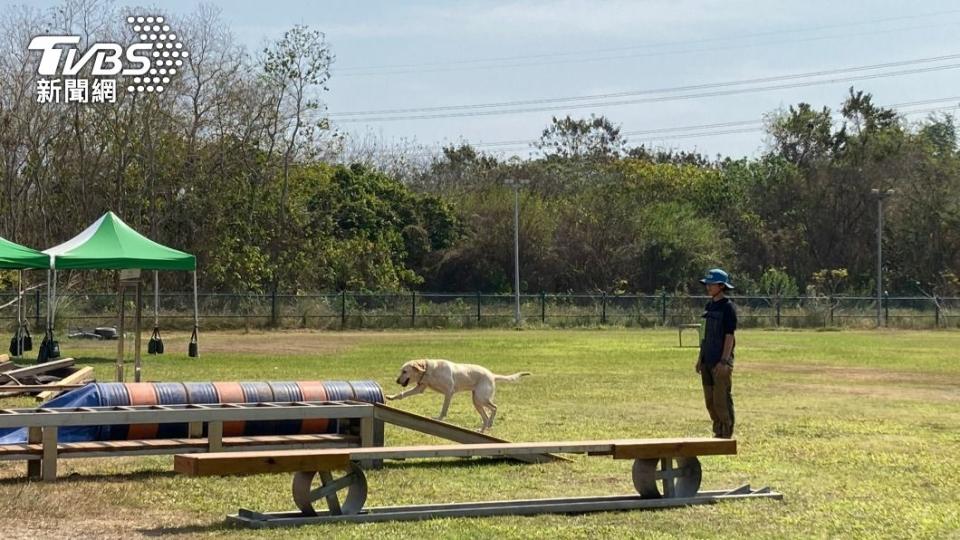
(880, 195)
(516, 184)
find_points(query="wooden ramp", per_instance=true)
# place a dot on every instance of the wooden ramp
(444, 430)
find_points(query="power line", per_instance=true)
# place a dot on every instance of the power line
(667, 90)
(703, 130)
(468, 64)
(657, 99)
(736, 123)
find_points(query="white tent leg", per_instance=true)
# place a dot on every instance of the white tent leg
(156, 299)
(19, 333)
(53, 303)
(196, 313)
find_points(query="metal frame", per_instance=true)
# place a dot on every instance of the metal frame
(42, 425)
(345, 496)
(666, 473)
(567, 505)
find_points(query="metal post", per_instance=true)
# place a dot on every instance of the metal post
(778, 311)
(516, 255)
(936, 306)
(603, 308)
(886, 308)
(20, 319)
(478, 307)
(543, 307)
(516, 184)
(273, 308)
(196, 312)
(663, 308)
(879, 256)
(880, 195)
(831, 310)
(120, 353)
(138, 323)
(343, 309)
(156, 299)
(413, 309)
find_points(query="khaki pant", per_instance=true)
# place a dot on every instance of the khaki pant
(719, 400)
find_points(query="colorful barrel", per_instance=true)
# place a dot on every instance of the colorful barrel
(113, 395)
(175, 393)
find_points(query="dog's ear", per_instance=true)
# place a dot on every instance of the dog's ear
(420, 366)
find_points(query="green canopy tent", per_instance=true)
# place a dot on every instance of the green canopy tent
(16, 257)
(111, 244)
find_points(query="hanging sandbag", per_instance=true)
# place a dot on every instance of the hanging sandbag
(27, 338)
(16, 346)
(155, 345)
(49, 348)
(193, 350)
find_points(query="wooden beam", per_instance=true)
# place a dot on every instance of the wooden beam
(447, 431)
(82, 375)
(14, 389)
(289, 460)
(662, 448)
(258, 463)
(37, 369)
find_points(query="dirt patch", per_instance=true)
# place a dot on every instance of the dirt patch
(853, 374)
(925, 394)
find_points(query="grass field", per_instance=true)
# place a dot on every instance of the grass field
(859, 430)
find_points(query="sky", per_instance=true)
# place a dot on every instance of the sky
(420, 54)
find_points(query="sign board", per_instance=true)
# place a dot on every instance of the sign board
(130, 275)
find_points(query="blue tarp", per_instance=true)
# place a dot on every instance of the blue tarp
(88, 396)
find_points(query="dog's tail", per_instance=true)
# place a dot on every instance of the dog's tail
(511, 378)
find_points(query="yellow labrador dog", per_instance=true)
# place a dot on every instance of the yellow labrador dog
(447, 377)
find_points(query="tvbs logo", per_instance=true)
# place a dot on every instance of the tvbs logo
(148, 64)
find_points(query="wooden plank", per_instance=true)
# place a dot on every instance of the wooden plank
(660, 448)
(447, 431)
(48, 465)
(10, 387)
(82, 375)
(269, 461)
(37, 369)
(157, 446)
(214, 436)
(34, 435)
(258, 462)
(13, 389)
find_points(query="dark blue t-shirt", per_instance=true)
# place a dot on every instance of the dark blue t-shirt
(720, 319)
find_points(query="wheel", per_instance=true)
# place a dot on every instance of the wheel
(354, 481)
(679, 477)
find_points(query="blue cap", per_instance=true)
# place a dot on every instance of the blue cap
(717, 275)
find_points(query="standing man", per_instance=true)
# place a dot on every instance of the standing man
(715, 364)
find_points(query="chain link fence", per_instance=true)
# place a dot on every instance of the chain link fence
(354, 310)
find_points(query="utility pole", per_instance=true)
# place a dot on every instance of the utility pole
(516, 184)
(880, 196)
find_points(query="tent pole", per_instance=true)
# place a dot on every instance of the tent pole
(137, 322)
(196, 312)
(53, 303)
(120, 293)
(49, 286)
(156, 299)
(20, 314)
